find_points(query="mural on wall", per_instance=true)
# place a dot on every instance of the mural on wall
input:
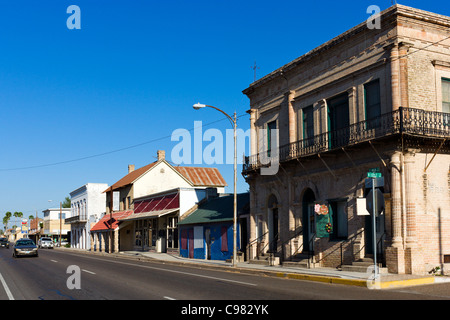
(324, 225)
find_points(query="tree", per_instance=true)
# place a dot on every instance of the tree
(18, 214)
(6, 219)
(66, 203)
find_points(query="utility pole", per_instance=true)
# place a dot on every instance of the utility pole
(110, 222)
(37, 228)
(60, 223)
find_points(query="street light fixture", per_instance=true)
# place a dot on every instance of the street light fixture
(198, 106)
(233, 121)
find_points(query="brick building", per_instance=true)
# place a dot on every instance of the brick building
(367, 99)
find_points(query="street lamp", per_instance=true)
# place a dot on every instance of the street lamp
(233, 121)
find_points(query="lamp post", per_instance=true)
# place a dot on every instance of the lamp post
(233, 121)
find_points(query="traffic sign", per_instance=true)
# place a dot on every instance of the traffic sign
(377, 182)
(379, 201)
(374, 173)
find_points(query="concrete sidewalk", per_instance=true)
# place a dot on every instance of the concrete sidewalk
(326, 275)
(320, 274)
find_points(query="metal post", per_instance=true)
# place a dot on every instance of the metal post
(235, 198)
(234, 123)
(374, 228)
(110, 222)
(60, 223)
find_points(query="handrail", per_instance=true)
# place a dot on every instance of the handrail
(275, 238)
(403, 120)
(347, 240)
(256, 241)
(342, 242)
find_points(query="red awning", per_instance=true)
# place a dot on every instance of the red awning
(106, 223)
(169, 201)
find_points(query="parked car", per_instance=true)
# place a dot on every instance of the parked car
(25, 247)
(45, 242)
(4, 243)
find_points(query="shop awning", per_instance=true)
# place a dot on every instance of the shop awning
(154, 207)
(147, 215)
(106, 223)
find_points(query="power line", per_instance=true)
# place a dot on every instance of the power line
(107, 152)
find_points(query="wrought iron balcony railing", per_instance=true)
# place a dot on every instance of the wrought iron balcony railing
(76, 219)
(403, 120)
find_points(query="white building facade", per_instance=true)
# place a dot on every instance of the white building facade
(54, 222)
(87, 207)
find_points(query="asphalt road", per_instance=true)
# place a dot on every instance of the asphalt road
(51, 276)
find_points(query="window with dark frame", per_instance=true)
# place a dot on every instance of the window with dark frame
(308, 126)
(372, 102)
(446, 101)
(271, 126)
(445, 95)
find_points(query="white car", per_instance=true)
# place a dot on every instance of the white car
(45, 242)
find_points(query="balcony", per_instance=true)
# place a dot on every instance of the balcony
(76, 219)
(417, 123)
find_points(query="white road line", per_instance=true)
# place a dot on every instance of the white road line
(168, 298)
(88, 271)
(5, 286)
(172, 271)
(53, 260)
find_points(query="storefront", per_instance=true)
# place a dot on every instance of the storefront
(155, 222)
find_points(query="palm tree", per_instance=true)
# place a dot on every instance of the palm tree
(18, 215)
(6, 219)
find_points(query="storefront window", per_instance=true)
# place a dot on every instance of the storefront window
(153, 230)
(172, 232)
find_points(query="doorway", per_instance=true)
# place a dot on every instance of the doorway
(208, 243)
(272, 206)
(309, 226)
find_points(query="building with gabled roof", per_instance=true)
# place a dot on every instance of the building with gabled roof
(147, 230)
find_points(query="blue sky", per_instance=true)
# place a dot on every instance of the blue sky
(129, 78)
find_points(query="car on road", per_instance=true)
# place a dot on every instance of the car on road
(25, 247)
(4, 243)
(45, 242)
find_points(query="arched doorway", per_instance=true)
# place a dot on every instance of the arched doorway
(308, 220)
(272, 206)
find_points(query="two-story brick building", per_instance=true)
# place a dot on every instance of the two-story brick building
(369, 98)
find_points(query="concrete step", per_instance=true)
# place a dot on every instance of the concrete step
(363, 269)
(296, 264)
(259, 261)
(266, 260)
(363, 265)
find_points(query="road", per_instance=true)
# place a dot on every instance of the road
(50, 277)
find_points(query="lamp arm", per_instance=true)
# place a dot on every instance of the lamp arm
(226, 114)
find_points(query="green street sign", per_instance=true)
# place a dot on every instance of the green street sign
(374, 173)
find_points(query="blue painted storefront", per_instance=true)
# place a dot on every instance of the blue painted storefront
(195, 244)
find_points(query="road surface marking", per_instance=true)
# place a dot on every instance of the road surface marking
(172, 271)
(168, 298)
(88, 271)
(53, 260)
(5, 286)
